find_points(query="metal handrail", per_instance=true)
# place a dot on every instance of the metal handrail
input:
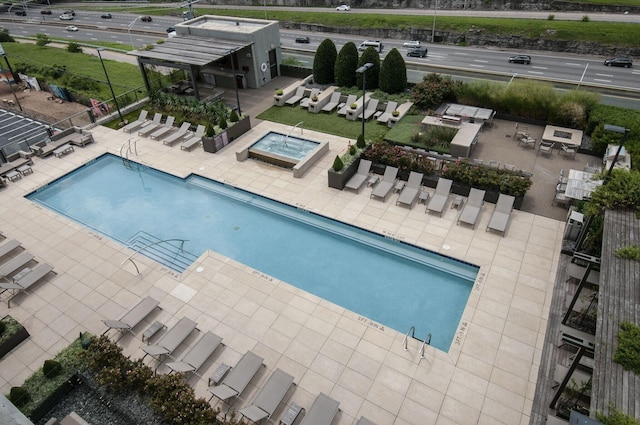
(412, 331)
(291, 131)
(427, 341)
(130, 258)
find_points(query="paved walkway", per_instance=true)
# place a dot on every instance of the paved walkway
(487, 377)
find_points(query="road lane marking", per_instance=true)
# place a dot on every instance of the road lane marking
(604, 75)
(601, 81)
(481, 61)
(534, 72)
(573, 64)
(539, 67)
(461, 53)
(477, 66)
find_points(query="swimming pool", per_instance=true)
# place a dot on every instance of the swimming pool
(392, 283)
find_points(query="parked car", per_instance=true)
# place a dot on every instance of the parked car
(106, 16)
(66, 17)
(45, 12)
(343, 7)
(523, 59)
(303, 40)
(72, 28)
(171, 29)
(146, 18)
(69, 12)
(21, 13)
(619, 61)
(411, 44)
(417, 52)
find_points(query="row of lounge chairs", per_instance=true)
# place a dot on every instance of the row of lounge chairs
(233, 384)
(16, 273)
(412, 191)
(167, 133)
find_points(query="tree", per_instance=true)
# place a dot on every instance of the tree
(324, 62)
(370, 55)
(346, 65)
(433, 89)
(393, 73)
(42, 39)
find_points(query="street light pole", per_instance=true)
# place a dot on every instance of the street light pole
(363, 70)
(129, 31)
(624, 132)
(433, 30)
(115, 101)
(235, 83)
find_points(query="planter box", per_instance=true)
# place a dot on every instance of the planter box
(54, 398)
(214, 144)
(13, 341)
(238, 129)
(338, 180)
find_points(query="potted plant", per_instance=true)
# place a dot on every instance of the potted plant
(395, 113)
(353, 106)
(208, 143)
(278, 92)
(314, 98)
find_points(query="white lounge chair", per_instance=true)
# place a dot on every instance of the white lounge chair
(502, 214)
(26, 281)
(370, 110)
(440, 197)
(333, 102)
(471, 210)
(344, 107)
(177, 135)
(163, 129)
(135, 315)
(322, 412)
(168, 343)
(269, 397)
(305, 101)
(193, 140)
(149, 127)
(360, 177)
(199, 354)
(297, 97)
(410, 192)
(133, 126)
(384, 116)
(383, 189)
(237, 380)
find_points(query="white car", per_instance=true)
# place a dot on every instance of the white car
(71, 28)
(411, 44)
(66, 17)
(343, 7)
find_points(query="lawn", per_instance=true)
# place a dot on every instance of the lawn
(325, 123)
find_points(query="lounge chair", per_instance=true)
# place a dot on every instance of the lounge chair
(297, 97)
(269, 397)
(199, 354)
(471, 210)
(16, 263)
(323, 410)
(168, 343)
(333, 102)
(132, 317)
(360, 177)
(151, 126)
(8, 246)
(440, 197)
(26, 281)
(237, 380)
(344, 107)
(370, 110)
(383, 189)
(305, 101)
(193, 140)
(163, 129)
(384, 116)
(502, 213)
(365, 421)
(133, 126)
(410, 192)
(177, 135)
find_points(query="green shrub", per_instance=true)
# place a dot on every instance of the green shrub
(631, 252)
(628, 351)
(3, 327)
(616, 417)
(209, 130)
(551, 17)
(346, 65)
(324, 62)
(352, 149)
(5, 37)
(393, 73)
(74, 47)
(585, 18)
(622, 191)
(370, 55)
(42, 40)
(19, 396)
(51, 368)
(360, 143)
(338, 165)
(223, 124)
(433, 90)
(233, 117)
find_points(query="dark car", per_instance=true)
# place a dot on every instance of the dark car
(21, 13)
(619, 61)
(69, 12)
(106, 16)
(303, 40)
(524, 59)
(45, 12)
(146, 19)
(417, 52)
(171, 29)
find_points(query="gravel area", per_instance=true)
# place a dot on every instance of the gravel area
(98, 407)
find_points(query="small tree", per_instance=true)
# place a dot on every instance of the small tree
(360, 142)
(5, 37)
(74, 48)
(432, 90)
(324, 62)
(370, 55)
(42, 40)
(393, 73)
(346, 65)
(233, 117)
(338, 165)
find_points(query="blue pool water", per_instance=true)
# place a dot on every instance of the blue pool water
(282, 144)
(392, 283)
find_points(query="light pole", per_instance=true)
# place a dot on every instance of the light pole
(624, 132)
(115, 101)
(129, 31)
(433, 30)
(363, 70)
(235, 83)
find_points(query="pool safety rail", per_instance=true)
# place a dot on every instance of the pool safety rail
(131, 147)
(291, 131)
(162, 251)
(411, 333)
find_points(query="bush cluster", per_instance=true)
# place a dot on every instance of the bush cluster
(628, 351)
(487, 178)
(395, 156)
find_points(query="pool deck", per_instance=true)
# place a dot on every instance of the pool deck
(488, 376)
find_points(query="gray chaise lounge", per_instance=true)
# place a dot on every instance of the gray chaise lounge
(360, 177)
(383, 189)
(237, 380)
(269, 397)
(323, 410)
(132, 317)
(410, 192)
(502, 214)
(440, 197)
(168, 343)
(198, 354)
(471, 210)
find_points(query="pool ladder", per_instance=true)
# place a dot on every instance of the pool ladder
(131, 147)
(411, 332)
